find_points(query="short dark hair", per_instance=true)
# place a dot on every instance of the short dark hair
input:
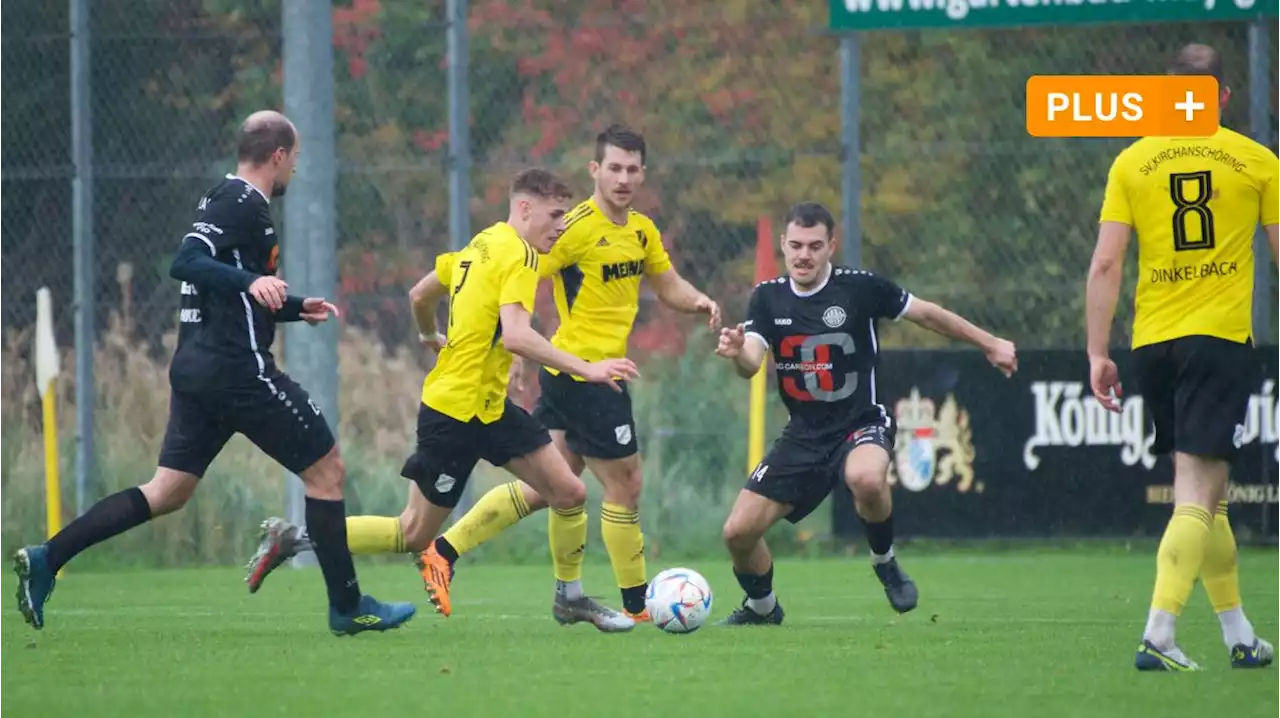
(1197, 59)
(811, 214)
(623, 138)
(261, 135)
(540, 183)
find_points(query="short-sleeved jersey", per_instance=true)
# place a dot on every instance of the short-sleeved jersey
(470, 376)
(825, 346)
(596, 267)
(1195, 204)
(225, 339)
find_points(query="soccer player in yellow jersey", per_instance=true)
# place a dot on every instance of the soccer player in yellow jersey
(597, 267)
(465, 414)
(1195, 203)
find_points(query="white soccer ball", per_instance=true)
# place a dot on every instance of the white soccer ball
(679, 600)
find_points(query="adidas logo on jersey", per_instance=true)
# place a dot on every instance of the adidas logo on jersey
(603, 242)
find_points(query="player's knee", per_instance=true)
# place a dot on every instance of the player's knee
(325, 478)
(865, 483)
(569, 493)
(169, 491)
(740, 534)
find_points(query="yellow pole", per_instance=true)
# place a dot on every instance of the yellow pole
(52, 484)
(755, 420)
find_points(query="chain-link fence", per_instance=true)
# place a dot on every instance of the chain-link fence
(739, 102)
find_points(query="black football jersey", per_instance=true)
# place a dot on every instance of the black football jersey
(824, 346)
(225, 338)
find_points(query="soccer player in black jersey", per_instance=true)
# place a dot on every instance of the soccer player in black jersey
(820, 324)
(224, 381)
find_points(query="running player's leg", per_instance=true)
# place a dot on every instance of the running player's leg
(1199, 389)
(865, 468)
(523, 447)
(790, 482)
(751, 516)
(599, 428)
(286, 425)
(192, 439)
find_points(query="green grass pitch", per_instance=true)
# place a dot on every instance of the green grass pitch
(1023, 633)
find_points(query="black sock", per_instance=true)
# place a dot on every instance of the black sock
(109, 517)
(446, 549)
(327, 527)
(879, 535)
(633, 598)
(756, 585)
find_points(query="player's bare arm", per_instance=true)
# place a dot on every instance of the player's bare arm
(424, 297)
(1271, 239)
(745, 351)
(1102, 291)
(676, 292)
(1000, 352)
(519, 336)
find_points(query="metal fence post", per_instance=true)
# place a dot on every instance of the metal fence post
(459, 151)
(309, 244)
(851, 148)
(82, 244)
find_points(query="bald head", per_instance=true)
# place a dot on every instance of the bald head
(1196, 59)
(261, 134)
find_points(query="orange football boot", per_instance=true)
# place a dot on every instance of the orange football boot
(436, 576)
(642, 617)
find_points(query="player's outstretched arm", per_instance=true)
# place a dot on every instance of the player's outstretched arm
(520, 338)
(745, 350)
(676, 292)
(1102, 291)
(425, 297)
(1000, 352)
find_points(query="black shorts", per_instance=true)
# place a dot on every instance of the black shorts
(448, 449)
(276, 414)
(801, 472)
(1196, 390)
(595, 419)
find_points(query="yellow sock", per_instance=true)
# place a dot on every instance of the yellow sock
(1180, 556)
(1219, 571)
(567, 529)
(374, 534)
(496, 511)
(620, 529)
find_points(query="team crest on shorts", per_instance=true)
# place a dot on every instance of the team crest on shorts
(445, 483)
(934, 445)
(622, 434)
(834, 317)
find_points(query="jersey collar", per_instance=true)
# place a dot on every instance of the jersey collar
(810, 292)
(254, 186)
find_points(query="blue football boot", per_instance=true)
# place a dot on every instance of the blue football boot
(1259, 655)
(370, 615)
(1150, 658)
(35, 583)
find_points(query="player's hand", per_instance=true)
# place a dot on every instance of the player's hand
(705, 304)
(1104, 379)
(316, 310)
(732, 339)
(433, 340)
(609, 371)
(515, 375)
(270, 292)
(1003, 355)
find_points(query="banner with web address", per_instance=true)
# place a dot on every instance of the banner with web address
(1035, 456)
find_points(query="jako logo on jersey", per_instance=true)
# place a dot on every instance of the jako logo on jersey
(834, 317)
(934, 446)
(782, 321)
(622, 270)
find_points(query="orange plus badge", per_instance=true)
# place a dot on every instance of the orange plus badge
(1122, 105)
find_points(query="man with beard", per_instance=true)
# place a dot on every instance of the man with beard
(225, 381)
(820, 324)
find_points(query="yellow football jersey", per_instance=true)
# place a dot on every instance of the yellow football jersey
(596, 267)
(1195, 204)
(470, 376)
